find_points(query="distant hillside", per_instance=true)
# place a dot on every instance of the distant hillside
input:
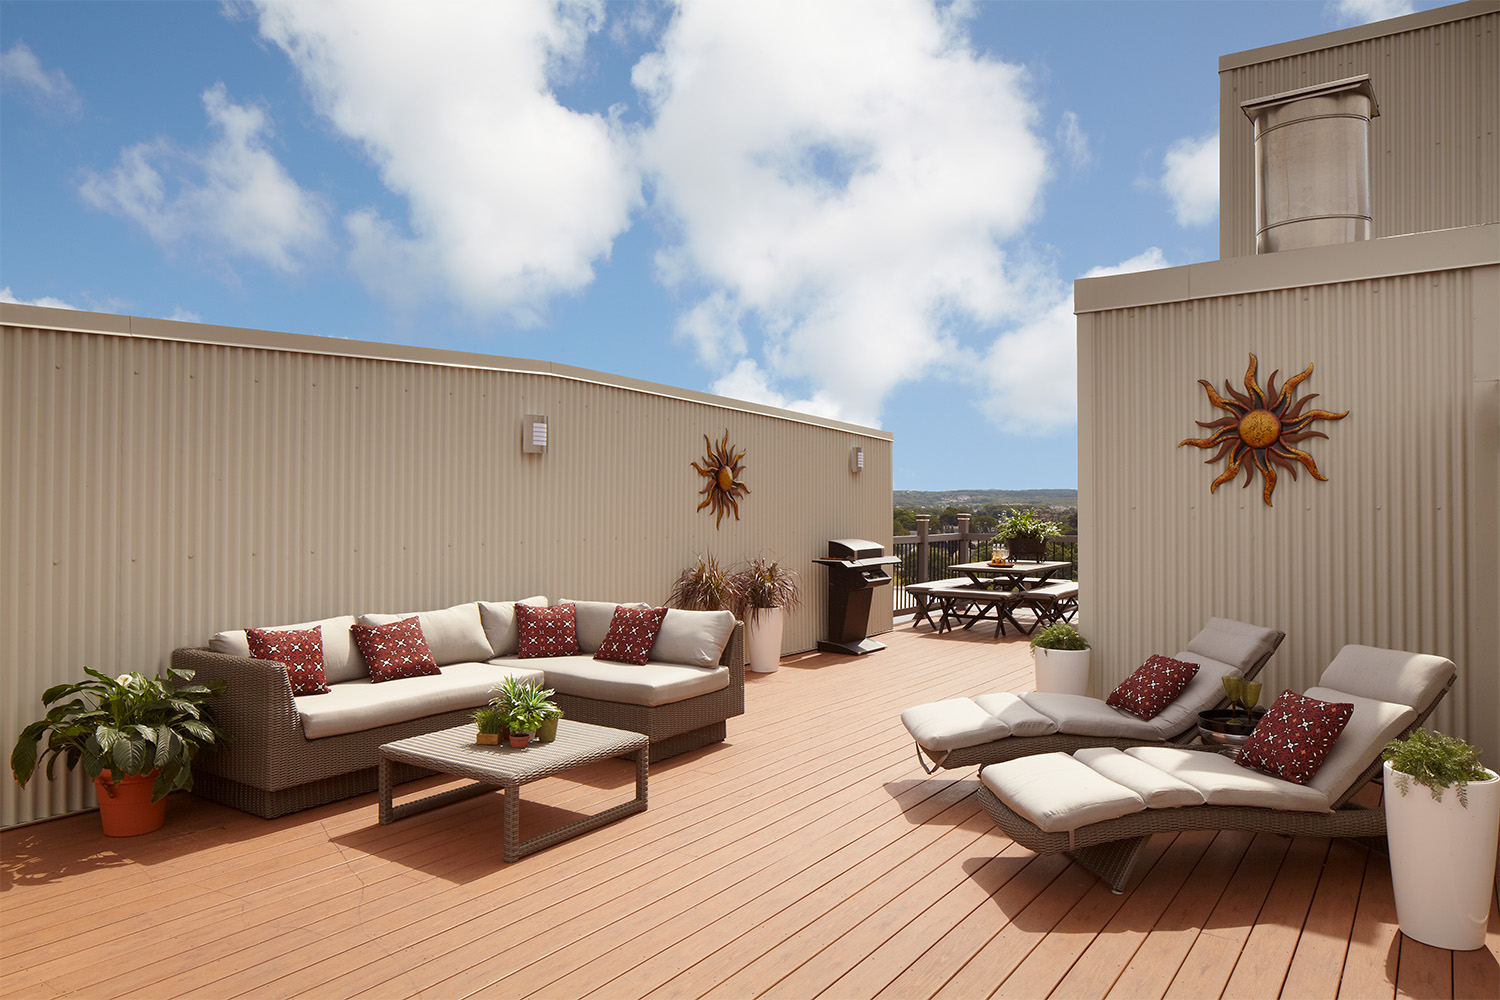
(978, 498)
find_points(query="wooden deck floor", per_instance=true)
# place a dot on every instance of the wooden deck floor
(808, 856)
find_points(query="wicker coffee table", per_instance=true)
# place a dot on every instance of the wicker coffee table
(453, 751)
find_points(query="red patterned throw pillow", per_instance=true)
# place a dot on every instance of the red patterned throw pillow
(547, 631)
(632, 631)
(1153, 686)
(395, 651)
(1295, 737)
(299, 650)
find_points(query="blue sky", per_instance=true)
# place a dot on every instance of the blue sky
(873, 210)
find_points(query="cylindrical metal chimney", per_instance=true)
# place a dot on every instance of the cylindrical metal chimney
(1312, 165)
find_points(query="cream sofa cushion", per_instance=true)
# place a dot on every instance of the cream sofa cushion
(591, 620)
(499, 620)
(957, 722)
(454, 635)
(1058, 793)
(1225, 783)
(649, 684)
(341, 657)
(357, 705)
(693, 638)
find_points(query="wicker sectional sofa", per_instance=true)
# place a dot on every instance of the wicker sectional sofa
(288, 753)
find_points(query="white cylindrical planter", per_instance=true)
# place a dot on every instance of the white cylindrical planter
(1062, 671)
(763, 639)
(1443, 860)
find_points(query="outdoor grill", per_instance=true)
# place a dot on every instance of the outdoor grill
(855, 568)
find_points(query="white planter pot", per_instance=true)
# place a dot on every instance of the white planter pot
(1062, 671)
(763, 640)
(1443, 860)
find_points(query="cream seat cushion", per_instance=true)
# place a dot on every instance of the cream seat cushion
(591, 620)
(648, 684)
(693, 638)
(356, 705)
(499, 620)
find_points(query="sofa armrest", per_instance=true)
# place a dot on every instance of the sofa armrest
(734, 658)
(256, 712)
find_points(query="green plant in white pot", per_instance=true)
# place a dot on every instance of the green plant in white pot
(1442, 838)
(760, 594)
(1061, 656)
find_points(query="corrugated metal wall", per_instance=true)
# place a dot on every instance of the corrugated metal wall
(1435, 154)
(1398, 549)
(157, 490)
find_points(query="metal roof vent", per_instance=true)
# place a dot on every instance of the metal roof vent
(1312, 165)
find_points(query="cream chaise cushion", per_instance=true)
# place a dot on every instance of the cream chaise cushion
(1081, 715)
(341, 657)
(1388, 674)
(1058, 793)
(1225, 783)
(1238, 644)
(499, 620)
(357, 705)
(1156, 787)
(957, 722)
(1012, 710)
(1370, 728)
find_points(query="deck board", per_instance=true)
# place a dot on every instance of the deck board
(807, 856)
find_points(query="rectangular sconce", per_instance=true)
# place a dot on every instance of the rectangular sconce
(857, 460)
(534, 434)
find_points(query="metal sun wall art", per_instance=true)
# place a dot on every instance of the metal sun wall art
(1261, 429)
(722, 468)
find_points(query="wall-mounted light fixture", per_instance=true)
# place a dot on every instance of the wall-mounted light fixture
(534, 434)
(857, 460)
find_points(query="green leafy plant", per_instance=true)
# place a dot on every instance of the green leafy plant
(763, 584)
(1060, 635)
(128, 725)
(1026, 524)
(524, 706)
(489, 720)
(1436, 760)
(704, 586)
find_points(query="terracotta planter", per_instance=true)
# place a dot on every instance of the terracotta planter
(763, 629)
(1442, 860)
(520, 741)
(126, 809)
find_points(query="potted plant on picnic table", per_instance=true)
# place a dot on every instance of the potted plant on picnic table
(760, 594)
(1061, 656)
(1442, 838)
(1027, 532)
(136, 737)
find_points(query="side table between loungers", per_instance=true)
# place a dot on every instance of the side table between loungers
(453, 751)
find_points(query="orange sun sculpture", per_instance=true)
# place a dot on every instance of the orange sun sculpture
(721, 467)
(1261, 429)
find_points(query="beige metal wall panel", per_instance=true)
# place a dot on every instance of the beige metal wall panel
(1398, 549)
(157, 490)
(1435, 147)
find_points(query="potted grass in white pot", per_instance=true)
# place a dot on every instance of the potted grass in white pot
(1442, 818)
(761, 593)
(1061, 655)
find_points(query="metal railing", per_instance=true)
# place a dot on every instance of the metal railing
(927, 556)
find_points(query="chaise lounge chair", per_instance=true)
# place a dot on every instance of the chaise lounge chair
(964, 732)
(1101, 806)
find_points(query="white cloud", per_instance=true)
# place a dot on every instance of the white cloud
(20, 68)
(1030, 374)
(1365, 11)
(233, 198)
(46, 300)
(1074, 141)
(1190, 176)
(840, 177)
(512, 197)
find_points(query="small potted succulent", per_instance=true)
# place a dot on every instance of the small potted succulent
(490, 723)
(704, 586)
(1027, 532)
(136, 737)
(760, 594)
(525, 709)
(1061, 655)
(1442, 838)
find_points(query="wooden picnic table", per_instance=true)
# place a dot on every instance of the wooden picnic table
(1018, 577)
